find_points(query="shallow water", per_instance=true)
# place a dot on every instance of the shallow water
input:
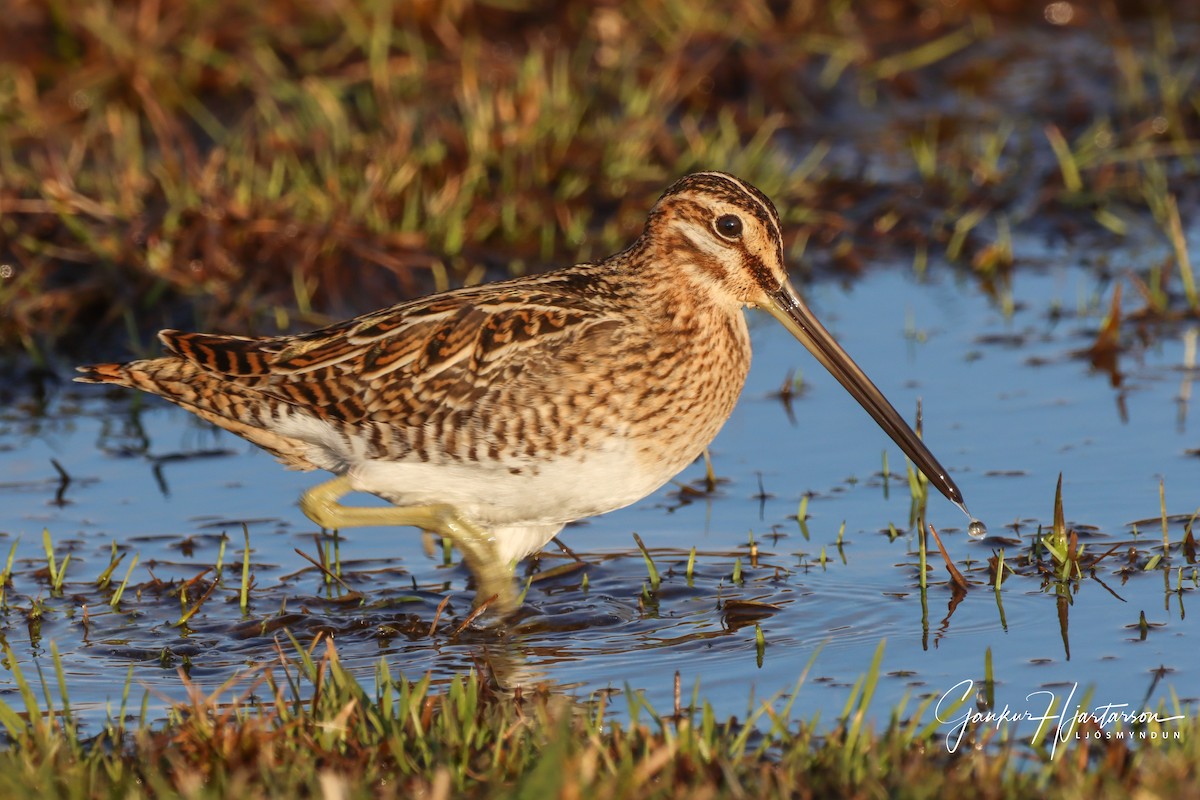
(1007, 407)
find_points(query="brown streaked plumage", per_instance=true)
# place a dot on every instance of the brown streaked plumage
(495, 414)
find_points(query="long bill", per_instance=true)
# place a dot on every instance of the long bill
(787, 307)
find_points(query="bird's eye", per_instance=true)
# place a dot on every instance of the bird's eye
(729, 226)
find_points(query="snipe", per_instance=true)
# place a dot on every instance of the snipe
(493, 415)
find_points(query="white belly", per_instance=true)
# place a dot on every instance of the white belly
(557, 491)
(521, 492)
(523, 503)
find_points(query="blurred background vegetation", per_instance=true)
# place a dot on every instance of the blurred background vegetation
(257, 167)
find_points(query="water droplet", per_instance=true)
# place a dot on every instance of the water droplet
(977, 529)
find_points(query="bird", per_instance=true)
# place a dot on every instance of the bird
(495, 414)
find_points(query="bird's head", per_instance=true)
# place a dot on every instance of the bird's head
(726, 236)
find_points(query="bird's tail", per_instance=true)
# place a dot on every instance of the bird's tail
(104, 373)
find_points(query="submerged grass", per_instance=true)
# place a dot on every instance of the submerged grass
(305, 726)
(309, 724)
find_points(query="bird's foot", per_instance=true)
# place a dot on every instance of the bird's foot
(493, 577)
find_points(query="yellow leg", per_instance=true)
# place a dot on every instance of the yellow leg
(492, 577)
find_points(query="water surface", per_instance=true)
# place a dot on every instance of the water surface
(1008, 405)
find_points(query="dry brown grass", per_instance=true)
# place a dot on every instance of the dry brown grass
(253, 167)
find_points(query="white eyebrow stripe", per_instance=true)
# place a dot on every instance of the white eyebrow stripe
(701, 236)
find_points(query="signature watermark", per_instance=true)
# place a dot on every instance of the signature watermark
(1071, 721)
